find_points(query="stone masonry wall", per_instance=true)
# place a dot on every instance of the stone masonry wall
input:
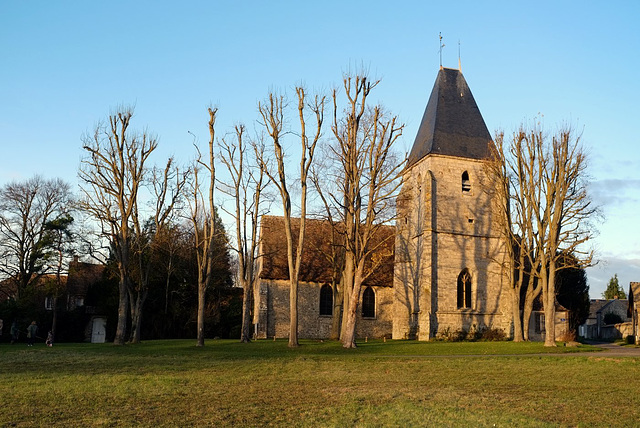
(441, 231)
(634, 294)
(310, 324)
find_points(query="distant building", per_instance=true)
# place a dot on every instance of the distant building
(596, 326)
(69, 295)
(82, 275)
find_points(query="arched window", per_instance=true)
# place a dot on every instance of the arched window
(466, 183)
(326, 300)
(464, 289)
(368, 303)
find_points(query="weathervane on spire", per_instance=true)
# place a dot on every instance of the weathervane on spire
(459, 61)
(441, 46)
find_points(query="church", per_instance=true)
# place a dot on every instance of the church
(447, 269)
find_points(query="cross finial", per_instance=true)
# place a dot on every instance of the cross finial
(441, 46)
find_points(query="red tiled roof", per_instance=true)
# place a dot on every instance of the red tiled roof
(9, 288)
(81, 276)
(316, 265)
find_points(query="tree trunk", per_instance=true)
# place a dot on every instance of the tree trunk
(293, 314)
(526, 318)
(133, 309)
(549, 298)
(247, 303)
(54, 322)
(349, 336)
(347, 288)
(166, 287)
(336, 322)
(533, 291)
(123, 308)
(518, 325)
(517, 319)
(136, 323)
(202, 289)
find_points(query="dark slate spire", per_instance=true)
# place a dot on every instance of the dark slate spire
(452, 124)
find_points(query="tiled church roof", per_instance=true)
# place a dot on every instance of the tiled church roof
(316, 266)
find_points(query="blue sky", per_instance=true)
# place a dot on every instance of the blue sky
(67, 65)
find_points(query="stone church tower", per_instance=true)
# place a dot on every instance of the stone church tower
(450, 262)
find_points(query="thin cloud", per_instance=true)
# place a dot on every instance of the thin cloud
(628, 270)
(613, 192)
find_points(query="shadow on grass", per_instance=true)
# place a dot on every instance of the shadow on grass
(177, 355)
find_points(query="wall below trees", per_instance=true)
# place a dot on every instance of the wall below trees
(273, 309)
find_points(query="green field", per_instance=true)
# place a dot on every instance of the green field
(393, 383)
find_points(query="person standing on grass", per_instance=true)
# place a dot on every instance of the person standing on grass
(31, 333)
(49, 341)
(14, 332)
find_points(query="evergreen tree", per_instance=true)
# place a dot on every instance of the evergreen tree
(573, 291)
(614, 291)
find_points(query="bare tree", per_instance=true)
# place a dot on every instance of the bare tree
(335, 254)
(372, 175)
(512, 168)
(245, 187)
(112, 175)
(166, 193)
(203, 221)
(272, 112)
(25, 210)
(171, 245)
(562, 221)
(544, 209)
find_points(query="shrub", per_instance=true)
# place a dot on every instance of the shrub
(449, 335)
(472, 335)
(569, 336)
(493, 334)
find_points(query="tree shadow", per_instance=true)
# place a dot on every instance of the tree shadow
(441, 232)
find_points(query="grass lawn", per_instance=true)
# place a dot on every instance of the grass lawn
(397, 383)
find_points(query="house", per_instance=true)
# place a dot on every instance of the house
(41, 289)
(68, 295)
(72, 289)
(81, 276)
(598, 325)
(634, 311)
